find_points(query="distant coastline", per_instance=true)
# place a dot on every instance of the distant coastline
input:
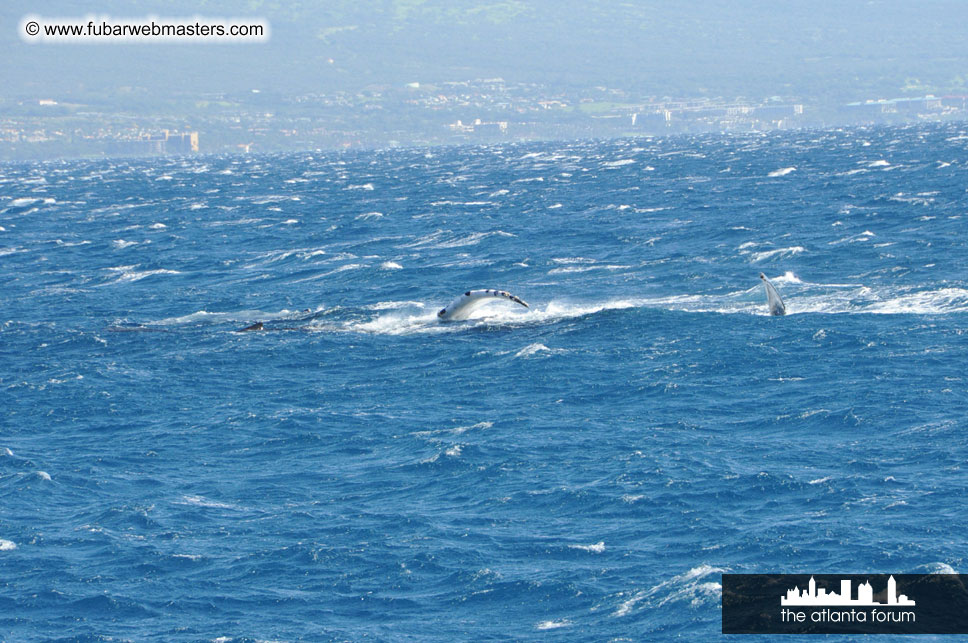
(481, 111)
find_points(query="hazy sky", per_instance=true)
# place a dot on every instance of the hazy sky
(836, 49)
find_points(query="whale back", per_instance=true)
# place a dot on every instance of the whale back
(773, 300)
(462, 306)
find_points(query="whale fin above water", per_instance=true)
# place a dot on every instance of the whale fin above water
(773, 297)
(462, 307)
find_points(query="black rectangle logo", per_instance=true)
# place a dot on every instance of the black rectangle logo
(845, 604)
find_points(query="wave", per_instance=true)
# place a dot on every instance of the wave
(691, 587)
(200, 501)
(128, 274)
(573, 269)
(26, 202)
(945, 300)
(533, 349)
(755, 256)
(235, 317)
(445, 239)
(552, 625)
(783, 253)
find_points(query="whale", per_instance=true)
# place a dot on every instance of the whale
(457, 310)
(773, 300)
(462, 306)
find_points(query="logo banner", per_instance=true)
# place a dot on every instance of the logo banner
(845, 604)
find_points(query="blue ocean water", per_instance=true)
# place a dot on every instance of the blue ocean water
(583, 470)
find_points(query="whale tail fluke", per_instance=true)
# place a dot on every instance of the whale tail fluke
(461, 307)
(773, 300)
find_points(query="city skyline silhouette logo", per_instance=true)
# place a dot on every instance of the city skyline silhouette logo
(812, 596)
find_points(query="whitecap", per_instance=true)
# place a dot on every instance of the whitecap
(480, 425)
(392, 305)
(439, 239)
(684, 587)
(756, 257)
(199, 501)
(783, 171)
(852, 172)
(396, 324)
(573, 269)
(7, 545)
(944, 300)
(595, 548)
(128, 274)
(349, 266)
(787, 278)
(569, 260)
(391, 265)
(23, 202)
(238, 316)
(531, 349)
(552, 625)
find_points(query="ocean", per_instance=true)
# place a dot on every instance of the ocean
(584, 469)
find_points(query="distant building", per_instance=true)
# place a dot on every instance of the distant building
(181, 143)
(778, 112)
(149, 145)
(480, 127)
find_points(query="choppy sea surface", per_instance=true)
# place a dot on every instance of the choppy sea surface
(583, 470)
